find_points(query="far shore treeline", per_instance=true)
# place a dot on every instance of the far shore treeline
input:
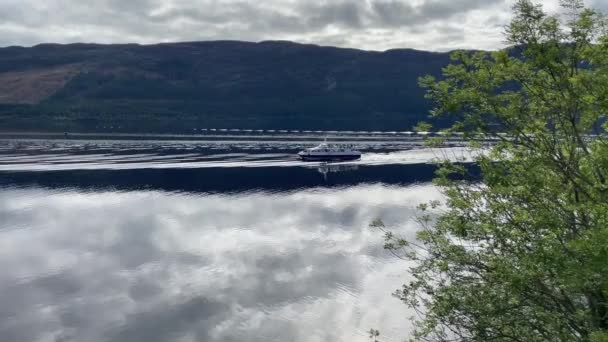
(172, 88)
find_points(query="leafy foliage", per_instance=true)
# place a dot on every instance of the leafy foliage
(523, 254)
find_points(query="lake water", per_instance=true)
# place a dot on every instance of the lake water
(208, 240)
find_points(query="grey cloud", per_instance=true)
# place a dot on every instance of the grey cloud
(342, 13)
(438, 9)
(392, 13)
(147, 21)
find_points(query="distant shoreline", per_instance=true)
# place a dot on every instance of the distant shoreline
(218, 134)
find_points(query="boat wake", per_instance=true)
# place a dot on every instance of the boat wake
(120, 159)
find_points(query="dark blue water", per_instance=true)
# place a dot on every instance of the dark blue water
(203, 241)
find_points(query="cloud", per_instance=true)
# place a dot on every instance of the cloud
(366, 24)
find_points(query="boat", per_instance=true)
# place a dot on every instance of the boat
(327, 152)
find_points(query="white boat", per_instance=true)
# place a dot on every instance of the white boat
(326, 152)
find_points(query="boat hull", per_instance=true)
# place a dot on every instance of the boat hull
(330, 158)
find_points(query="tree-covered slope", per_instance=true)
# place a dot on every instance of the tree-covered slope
(180, 86)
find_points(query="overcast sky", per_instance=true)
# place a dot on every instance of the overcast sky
(365, 24)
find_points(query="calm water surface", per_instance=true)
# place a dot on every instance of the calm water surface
(202, 241)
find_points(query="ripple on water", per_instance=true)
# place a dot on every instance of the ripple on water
(44, 156)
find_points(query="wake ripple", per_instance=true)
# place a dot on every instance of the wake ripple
(45, 155)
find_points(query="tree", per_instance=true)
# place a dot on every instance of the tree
(522, 254)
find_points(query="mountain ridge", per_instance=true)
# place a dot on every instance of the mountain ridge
(174, 87)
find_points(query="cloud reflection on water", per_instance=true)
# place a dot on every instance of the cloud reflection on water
(158, 266)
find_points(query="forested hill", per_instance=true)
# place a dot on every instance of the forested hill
(221, 84)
